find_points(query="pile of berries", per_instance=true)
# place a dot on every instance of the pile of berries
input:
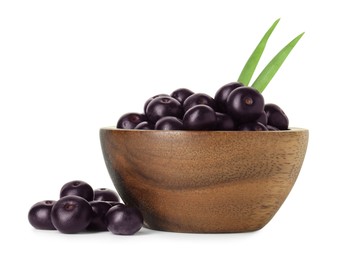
(80, 208)
(234, 107)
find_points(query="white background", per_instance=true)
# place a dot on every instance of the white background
(68, 68)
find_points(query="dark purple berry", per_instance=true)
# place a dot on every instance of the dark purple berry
(99, 208)
(39, 215)
(181, 94)
(198, 99)
(222, 94)
(151, 98)
(105, 194)
(114, 203)
(145, 125)
(272, 128)
(263, 118)
(245, 104)
(163, 106)
(130, 120)
(77, 188)
(200, 117)
(71, 214)
(169, 123)
(252, 126)
(124, 220)
(224, 122)
(276, 117)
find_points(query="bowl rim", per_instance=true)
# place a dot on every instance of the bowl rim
(115, 129)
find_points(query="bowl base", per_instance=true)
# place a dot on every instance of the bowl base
(190, 231)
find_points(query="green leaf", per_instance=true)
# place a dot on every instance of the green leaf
(270, 70)
(250, 66)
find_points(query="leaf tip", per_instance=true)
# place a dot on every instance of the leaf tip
(276, 22)
(298, 37)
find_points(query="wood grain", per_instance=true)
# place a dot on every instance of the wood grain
(202, 181)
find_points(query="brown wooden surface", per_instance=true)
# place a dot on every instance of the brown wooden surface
(198, 181)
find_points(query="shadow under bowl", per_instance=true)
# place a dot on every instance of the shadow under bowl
(204, 181)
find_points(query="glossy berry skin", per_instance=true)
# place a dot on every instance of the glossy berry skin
(104, 194)
(124, 220)
(151, 98)
(163, 106)
(99, 208)
(71, 214)
(200, 117)
(222, 94)
(39, 215)
(198, 99)
(181, 94)
(145, 125)
(130, 120)
(252, 126)
(245, 104)
(272, 128)
(115, 203)
(78, 188)
(224, 122)
(169, 123)
(276, 117)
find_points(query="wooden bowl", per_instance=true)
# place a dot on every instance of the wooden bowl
(204, 181)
